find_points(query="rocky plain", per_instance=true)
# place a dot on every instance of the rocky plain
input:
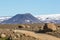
(42, 31)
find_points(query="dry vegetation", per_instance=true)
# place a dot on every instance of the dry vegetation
(26, 31)
(24, 35)
(30, 27)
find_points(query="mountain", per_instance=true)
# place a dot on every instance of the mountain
(2, 18)
(21, 19)
(55, 18)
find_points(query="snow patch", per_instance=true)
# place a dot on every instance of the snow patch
(27, 20)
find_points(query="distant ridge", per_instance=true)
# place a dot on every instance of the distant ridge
(21, 19)
(54, 18)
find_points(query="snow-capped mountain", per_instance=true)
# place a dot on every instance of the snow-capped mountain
(55, 18)
(28, 18)
(2, 18)
(50, 16)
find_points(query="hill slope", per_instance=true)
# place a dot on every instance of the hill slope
(21, 19)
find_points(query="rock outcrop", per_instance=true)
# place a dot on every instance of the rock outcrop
(50, 27)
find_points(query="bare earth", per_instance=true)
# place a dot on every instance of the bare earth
(36, 35)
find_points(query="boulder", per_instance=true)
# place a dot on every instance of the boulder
(50, 26)
(28, 26)
(17, 35)
(21, 26)
(2, 35)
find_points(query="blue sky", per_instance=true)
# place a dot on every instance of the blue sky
(35, 7)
